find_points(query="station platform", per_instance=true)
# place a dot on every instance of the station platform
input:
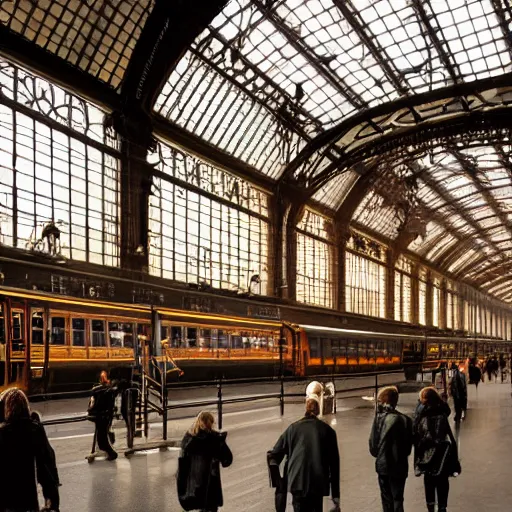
(146, 481)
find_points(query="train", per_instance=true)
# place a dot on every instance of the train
(52, 344)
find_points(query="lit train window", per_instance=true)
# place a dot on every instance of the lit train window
(327, 348)
(58, 332)
(314, 348)
(37, 328)
(78, 332)
(98, 333)
(205, 339)
(121, 334)
(2, 326)
(176, 337)
(191, 337)
(223, 339)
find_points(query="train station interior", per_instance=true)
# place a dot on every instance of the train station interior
(209, 190)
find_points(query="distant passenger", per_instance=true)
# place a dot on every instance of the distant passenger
(489, 368)
(203, 451)
(391, 445)
(27, 459)
(313, 467)
(435, 448)
(459, 392)
(474, 372)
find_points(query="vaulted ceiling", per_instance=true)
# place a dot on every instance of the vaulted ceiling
(393, 114)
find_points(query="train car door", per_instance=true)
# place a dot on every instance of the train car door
(18, 346)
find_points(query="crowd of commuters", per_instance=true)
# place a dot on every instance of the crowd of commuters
(304, 462)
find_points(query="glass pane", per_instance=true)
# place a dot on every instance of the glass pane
(58, 331)
(37, 328)
(98, 333)
(78, 334)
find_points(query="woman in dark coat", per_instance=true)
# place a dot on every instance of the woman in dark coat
(27, 459)
(203, 450)
(431, 431)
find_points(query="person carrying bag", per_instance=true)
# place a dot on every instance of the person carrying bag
(435, 448)
(203, 451)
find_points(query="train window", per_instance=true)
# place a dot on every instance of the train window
(370, 348)
(314, 348)
(327, 348)
(121, 334)
(205, 339)
(223, 339)
(2, 326)
(17, 325)
(176, 337)
(163, 333)
(98, 333)
(191, 337)
(352, 349)
(263, 342)
(37, 328)
(236, 341)
(58, 331)
(78, 332)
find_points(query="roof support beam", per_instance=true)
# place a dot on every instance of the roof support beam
(438, 44)
(321, 69)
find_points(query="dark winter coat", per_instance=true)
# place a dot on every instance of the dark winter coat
(391, 442)
(27, 458)
(429, 428)
(199, 484)
(459, 388)
(475, 374)
(311, 447)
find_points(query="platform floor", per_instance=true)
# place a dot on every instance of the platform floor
(146, 482)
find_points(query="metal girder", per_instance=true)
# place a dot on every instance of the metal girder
(346, 8)
(333, 134)
(170, 29)
(27, 54)
(292, 37)
(451, 67)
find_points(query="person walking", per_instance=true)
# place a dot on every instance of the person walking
(313, 461)
(459, 393)
(435, 448)
(203, 451)
(474, 372)
(503, 368)
(28, 459)
(391, 444)
(101, 412)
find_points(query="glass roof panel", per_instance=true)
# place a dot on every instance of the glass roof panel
(96, 36)
(334, 195)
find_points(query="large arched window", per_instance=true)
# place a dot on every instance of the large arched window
(207, 226)
(58, 166)
(315, 281)
(365, 277)
(403, 291)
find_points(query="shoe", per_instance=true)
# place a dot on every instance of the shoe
(431, 507)
(463, 415)
(112, 456)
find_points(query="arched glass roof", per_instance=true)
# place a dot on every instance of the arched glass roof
(405, 98)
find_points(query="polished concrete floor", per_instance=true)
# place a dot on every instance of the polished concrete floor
(146, 482)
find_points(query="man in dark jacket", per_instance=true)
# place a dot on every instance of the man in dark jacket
(391, 445)
(313, 469)
(459, 393)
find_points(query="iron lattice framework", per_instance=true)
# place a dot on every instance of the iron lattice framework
(393, 114)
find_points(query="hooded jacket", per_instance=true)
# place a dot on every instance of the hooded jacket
(391, 442)
(313, 466)
(199, 484)
(27, 459)
(430, 427)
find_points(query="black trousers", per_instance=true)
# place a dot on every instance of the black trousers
(392, 493)
(460, 405)
(311, 503)
(440, 485)
(102, 435)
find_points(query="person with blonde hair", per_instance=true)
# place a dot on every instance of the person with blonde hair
(313, 461)
(27, 458)
(203, 451)
(391, 444)
(435, 448)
